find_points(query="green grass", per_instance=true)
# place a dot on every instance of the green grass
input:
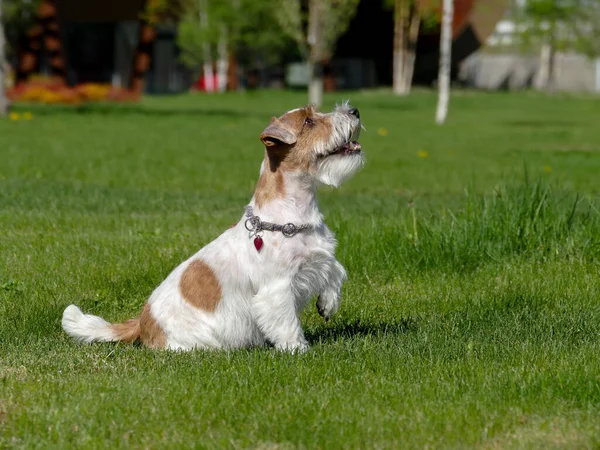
(471, 317)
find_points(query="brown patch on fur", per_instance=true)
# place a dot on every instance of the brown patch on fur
(127, 331)
(270, 185)
(151, 334)
(144, 329)
(300, 156)
(200, 287)
(297, 157)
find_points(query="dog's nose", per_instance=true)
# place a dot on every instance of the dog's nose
(354, 112)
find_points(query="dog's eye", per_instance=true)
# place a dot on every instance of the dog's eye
(309, 122)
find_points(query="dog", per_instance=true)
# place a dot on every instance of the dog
(248, 287)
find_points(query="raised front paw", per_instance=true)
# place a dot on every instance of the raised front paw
(327, 305)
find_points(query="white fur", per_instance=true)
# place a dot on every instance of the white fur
(85, 327)
(336, 169)
(263, 292)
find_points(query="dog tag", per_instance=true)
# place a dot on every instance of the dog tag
(258, 243)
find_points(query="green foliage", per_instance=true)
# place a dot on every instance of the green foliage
(292, 19)
(18, 11)
(565, 24)
(429, 11)
(247, 25)
(333, 18)
(18, 16)
(336, 16)
(586, 29)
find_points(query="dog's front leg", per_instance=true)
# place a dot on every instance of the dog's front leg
(275, 312)
(329, 299)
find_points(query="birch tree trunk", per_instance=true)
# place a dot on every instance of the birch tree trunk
(545, 76)
(315, 66)
(546, 73)
(406, 33)
(3, 66)
(551, 66)
(445, 62)
(541, 80)
(223, 62)
(315, 86)
(413, 36)
(206, 53)
(400, 46)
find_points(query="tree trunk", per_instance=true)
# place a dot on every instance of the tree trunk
(551, 67)
(545, 76)
(406, 32)
(445, 62)
(315, 53)
(3, 67)
(315, 84)
(400, 47)
(413, 36)
(223, 62)
(206, 53)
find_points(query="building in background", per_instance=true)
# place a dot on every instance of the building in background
(504, 65)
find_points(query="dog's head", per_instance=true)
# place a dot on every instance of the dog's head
(323, 146)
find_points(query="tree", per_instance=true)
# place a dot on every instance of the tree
(445, 62)
(18, 17)
(545, 21)
(316, 37)
(410, 16)
(197, 37)
(209, 27)
(587, 29)
(407, 21)
(550, 26)
(3, 66)
(202, 30)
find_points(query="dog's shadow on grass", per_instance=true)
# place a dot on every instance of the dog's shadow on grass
(328, 333)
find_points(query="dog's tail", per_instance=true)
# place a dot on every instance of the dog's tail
(88, 328)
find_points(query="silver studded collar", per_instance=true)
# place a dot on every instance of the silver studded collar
(255, 225)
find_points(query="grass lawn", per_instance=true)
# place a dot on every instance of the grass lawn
(471, 317)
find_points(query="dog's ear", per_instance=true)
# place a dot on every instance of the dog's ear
(277, 133)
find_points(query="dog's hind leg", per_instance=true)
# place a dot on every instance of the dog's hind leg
(275, 311)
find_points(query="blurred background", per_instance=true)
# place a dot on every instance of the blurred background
(128, 47)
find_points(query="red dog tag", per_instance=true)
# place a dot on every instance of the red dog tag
(258, 243)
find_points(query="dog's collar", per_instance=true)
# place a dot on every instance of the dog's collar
(254, 224)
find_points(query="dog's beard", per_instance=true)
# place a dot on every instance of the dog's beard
(345, 157)
(336, 169)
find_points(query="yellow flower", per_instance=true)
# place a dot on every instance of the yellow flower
(422, 154)
(14, 116)
(382, 132)
(27, 116)
(547, 169)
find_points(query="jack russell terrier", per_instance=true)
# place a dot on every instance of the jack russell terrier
(248, 286)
